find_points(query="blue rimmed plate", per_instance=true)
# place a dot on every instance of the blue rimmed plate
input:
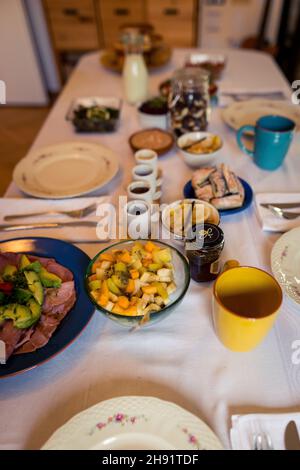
(189, 193)
(75, 321)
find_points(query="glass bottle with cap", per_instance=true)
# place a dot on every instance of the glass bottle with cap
(203, 247)
(135, 74)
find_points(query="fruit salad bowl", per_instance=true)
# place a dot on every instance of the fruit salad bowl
(137, 282)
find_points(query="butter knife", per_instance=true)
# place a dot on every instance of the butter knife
(10, 228)
(291, 437)
(288, 205)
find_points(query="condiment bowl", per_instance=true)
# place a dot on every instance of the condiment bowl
(197, 160)
(153, 120)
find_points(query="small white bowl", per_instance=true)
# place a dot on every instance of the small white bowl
(197, 160)
(153, 120)
(167, 234)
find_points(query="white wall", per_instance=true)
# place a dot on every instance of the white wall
(42, 41)
(19, 66)
(226, 25)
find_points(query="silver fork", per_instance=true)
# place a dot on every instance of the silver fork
(284, 214)
(262, 441)
(74, 214)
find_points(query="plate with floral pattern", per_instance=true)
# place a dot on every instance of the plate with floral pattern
(285, 262)
(134, 423)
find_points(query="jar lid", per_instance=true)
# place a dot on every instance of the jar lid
(205, 236)
(190, 76)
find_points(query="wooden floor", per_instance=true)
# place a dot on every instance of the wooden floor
(18, 128)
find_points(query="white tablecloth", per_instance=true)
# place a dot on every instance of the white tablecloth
(179, 359)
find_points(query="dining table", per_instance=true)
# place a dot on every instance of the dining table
(179, 359)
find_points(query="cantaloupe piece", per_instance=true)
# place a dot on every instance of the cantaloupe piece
(106, 257)
(123, 302)
(130, 286)
(125, 257)
(134, 274)
(149, 246)
(149, 290)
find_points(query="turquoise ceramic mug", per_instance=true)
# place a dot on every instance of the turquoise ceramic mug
(272, 138)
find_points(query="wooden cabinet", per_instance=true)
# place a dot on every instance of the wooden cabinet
(115, 13)
(84, 25)
(175, 20)
(73, 24)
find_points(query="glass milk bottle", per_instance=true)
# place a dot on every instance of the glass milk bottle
(135, 75)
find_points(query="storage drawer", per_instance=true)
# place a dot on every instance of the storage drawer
(116, 13)
(174, 19)
(73, 24)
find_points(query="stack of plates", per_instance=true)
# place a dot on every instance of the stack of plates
(66, 170)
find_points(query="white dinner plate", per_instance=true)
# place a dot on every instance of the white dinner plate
(134, 423)
(66, 170)
(247, 112)
(285, 262)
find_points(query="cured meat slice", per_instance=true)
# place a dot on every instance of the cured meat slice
(59, 296)
(9, 258)
(62, 272)
(47, 326)
(10, 335)
(25, 337)
(14, 259)
(44, 261)
(58, 302)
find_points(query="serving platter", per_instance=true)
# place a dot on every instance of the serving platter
(65, 170)
(189, 193)
(134, 423)
(75, 321)
(111, 60)
(285, 263)
(248, 112)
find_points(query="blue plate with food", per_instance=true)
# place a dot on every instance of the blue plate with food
(43, 303)
(219, 186)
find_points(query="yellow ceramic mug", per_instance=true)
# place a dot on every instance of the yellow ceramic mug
(246, 302)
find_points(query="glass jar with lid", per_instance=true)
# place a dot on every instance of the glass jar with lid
(189, 102)
(204, 245)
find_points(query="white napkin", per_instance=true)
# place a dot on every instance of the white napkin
(271, 222)
(9, 206)
(258, 93)
(244, 428)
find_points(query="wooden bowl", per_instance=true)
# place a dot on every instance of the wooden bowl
(137, 143)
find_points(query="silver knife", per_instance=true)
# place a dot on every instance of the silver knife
(291, 437)
(10, 228)
(288, 205)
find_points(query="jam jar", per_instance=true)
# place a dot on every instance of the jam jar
(188, 100)
(204, 245)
